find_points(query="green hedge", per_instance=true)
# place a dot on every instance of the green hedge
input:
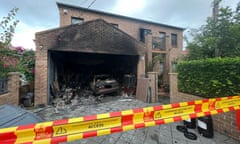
(215, 77)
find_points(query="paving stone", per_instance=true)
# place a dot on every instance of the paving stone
(165, 127)
(126, 137)
(110, 140)
(178, 135)
(163, 139)
(84, 141)
(204, 140)
(219, 138)
(152, 138)
(188, 142)
(178, 141)
(131, 132)
(140, 132)
(99, 139)
(122, 142)
(138, 139)
(116, 135)
(155, 128)
(231, 141)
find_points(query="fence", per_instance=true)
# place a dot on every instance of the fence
(3, 86)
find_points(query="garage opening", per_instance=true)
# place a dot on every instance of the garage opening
(94, 74)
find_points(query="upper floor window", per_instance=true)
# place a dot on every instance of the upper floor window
(162, 36)
(144, 32)
(159, 42)
(76, 20)
(174, 40)
(115, 25)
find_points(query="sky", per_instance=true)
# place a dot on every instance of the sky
(39, 15)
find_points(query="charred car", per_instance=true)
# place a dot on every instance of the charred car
(104, 84)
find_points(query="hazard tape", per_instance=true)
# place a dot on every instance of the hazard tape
(67, 130)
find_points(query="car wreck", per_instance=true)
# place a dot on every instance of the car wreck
(104, 84)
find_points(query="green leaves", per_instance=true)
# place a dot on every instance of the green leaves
(210, 77)
(13, 61)
(28, 62)
(218, 37)
(7, 27)
(8, 62)
(212, 70)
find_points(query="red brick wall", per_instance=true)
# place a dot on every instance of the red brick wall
(127, 25)
(224, 123)
(41, 74)
(12, 97)
(50, 40)
(45, 40)
(132, 27)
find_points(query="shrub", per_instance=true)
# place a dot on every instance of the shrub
(215, 77)
(17, 60)
(9, 62)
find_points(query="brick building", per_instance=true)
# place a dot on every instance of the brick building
(90, 42)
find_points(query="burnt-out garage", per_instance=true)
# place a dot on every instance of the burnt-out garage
(93, 56)
(79, 70)
(81, 67)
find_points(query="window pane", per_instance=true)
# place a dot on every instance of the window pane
(143, 32)
(162, 36)
(75, 20)
(174, 40)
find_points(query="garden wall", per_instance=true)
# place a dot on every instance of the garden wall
(224, 123)
(12, 96)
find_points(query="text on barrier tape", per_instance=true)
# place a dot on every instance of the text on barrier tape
(86, 126)
(173, 112)
(102, 124)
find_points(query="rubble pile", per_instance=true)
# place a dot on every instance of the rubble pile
(78, 94)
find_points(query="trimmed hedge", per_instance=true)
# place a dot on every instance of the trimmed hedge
(210, 78)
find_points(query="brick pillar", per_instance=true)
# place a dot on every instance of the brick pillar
(153, 76)
(41, 76)
(141, 67)
(149, 49)
(167, 60)
(173, 87)
(13, 88)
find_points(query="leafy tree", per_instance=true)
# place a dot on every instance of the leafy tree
(27, 61)
(7, 27)
(219, 37)
(14, 59)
